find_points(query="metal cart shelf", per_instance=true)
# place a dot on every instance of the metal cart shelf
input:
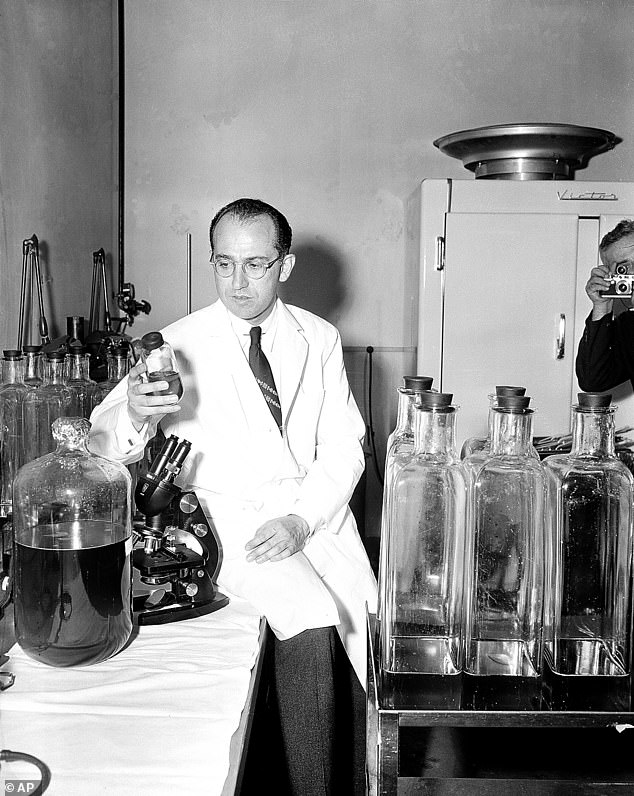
(384, 726)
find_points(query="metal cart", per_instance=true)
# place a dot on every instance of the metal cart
(385, 729)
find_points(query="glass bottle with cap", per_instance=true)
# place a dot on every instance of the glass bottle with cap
(505, 567)
(588, 648)
(118, 358)
(12, 394)
(44, 405)
(160, 360)
(399, 449)
(33, 365)
(482, 445)
(84, 390)
(73, 552)
(422, 593)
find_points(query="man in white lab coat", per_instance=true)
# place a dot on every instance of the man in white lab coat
(277, 493)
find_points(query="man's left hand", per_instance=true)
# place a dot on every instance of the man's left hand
(277, 539)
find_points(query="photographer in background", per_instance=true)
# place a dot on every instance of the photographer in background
(605, 357)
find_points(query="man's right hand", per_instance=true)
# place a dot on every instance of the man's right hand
(597, 283)
(143, 401)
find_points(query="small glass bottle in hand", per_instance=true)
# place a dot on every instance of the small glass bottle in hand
(159, 358)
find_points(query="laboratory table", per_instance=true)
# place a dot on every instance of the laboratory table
(170, 714)
(494, 753)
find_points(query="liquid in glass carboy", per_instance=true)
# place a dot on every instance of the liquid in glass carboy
(73, 552)
(589, 627)
(421, 595)
(505, 567)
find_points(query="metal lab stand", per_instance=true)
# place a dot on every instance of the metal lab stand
(383, 745)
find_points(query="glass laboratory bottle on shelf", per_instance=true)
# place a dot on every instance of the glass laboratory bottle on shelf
(399, 449)
(118, 361)
(44, 405)
(505, 568)
(84, 390)
(422, 592)
(589, 622)
(12, 394)
(73, 552)
(160, 360)
(33, 365)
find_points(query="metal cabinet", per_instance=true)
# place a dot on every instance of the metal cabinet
(498, 270)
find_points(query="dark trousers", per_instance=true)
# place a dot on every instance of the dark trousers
(320, 706)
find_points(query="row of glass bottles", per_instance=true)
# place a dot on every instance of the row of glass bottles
(36, 389)
(506, 582)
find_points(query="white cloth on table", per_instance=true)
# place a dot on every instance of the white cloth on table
(155, 720)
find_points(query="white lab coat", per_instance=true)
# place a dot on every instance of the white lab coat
(245, 472)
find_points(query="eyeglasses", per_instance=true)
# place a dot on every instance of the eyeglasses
(252, 270)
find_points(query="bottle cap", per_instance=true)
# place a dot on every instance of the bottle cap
(513, 402)
(594, 400)
(76, 347)
(55, 355)
(418, 383)
(152, 340)
(505, 389)
(32, 349)
(434, 400)
(121, 349)
(12, 353)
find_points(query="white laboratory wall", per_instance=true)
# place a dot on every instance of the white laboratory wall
(57, 168)
(328, 110)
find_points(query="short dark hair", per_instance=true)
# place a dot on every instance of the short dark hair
(623, 228)
(246, 209)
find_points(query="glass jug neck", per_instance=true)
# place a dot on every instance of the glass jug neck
(406, 413)
(78, 367)
(511, 432)
(12, 371)
(593, 432)
(118, 368)
(54, 371)
(435, 431)
(33, 367)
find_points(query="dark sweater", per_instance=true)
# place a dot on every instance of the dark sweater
(605, 357)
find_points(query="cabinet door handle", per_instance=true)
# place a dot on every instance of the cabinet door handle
(560, 342)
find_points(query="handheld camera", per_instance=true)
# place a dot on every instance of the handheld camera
(621, 283)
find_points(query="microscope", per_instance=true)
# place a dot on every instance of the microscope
(179, 553)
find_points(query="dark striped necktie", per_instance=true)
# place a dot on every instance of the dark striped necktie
(264, 375)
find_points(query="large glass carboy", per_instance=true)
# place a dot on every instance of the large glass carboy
(421, 596)
(505, 567)
(73, 552)
(588, 647)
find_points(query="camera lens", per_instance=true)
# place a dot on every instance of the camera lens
(620, 269)
(622, 287)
